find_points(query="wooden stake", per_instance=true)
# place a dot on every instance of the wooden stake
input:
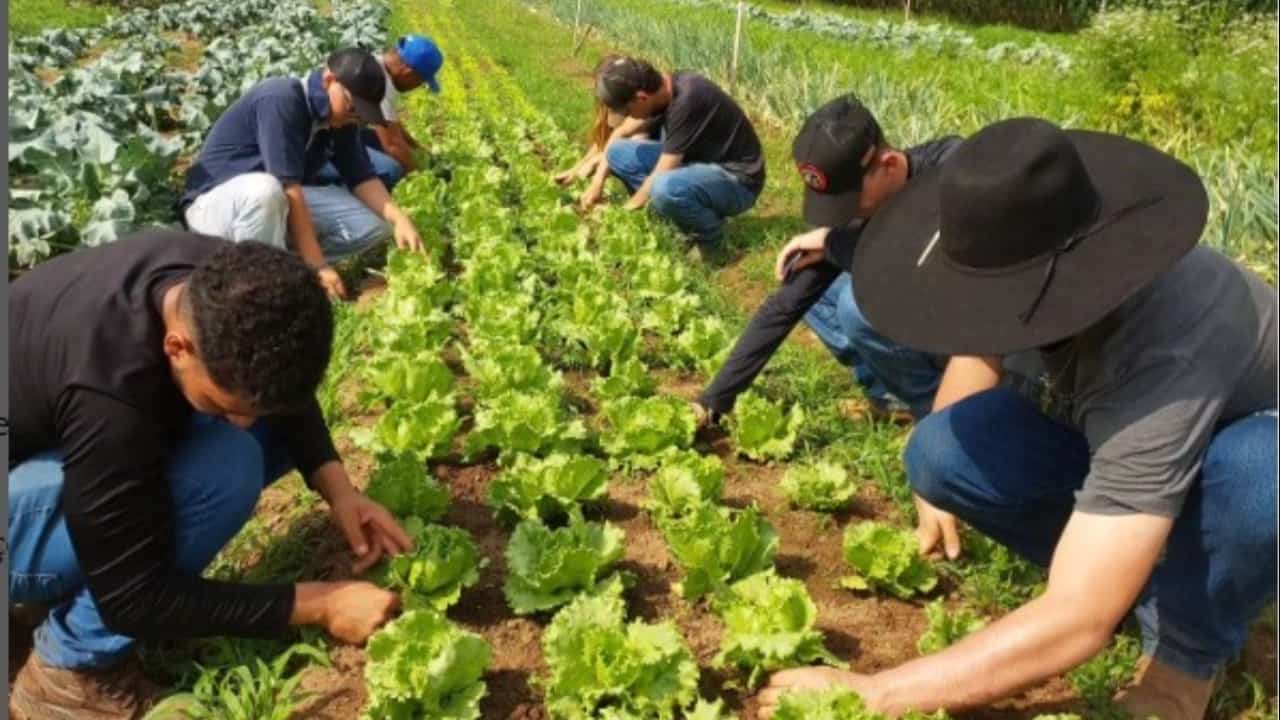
(737, 44)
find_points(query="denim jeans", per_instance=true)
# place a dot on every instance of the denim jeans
(697, 197)
(888, 372)
(1011, 472)
(387, 169)
(216, 474)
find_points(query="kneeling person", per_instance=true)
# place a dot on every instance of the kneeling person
(709, 165)
(158, 384)
(412, 63)
(256, 177)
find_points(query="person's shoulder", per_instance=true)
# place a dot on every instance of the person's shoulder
(278, 92)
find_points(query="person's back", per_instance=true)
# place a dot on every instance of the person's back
(91, 320)
(711, 127)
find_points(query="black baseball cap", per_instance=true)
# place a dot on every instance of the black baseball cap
(362, 75)
(831, 156)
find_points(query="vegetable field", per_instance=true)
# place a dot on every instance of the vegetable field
(518, 395)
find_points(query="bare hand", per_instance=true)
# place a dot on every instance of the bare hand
(811, 247)
(369, 528)
(566, 177)
(332, 283)
(807, 678)
(353, 610)
(407, 237)
(704, 416)
(590, 197)
(634, 204)
(936, 525)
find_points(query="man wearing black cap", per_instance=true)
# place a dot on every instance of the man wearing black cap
(709, 165)
(849, 170)
(1148, 483)
(255, 176)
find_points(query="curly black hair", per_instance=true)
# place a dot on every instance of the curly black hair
(263, 325)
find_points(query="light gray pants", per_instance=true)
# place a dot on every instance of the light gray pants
(253, 207)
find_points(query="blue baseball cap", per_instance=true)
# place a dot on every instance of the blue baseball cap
(421, 54)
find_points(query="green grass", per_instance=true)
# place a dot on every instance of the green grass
(28, 17)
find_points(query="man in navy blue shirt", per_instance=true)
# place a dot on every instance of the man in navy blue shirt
(256, 175)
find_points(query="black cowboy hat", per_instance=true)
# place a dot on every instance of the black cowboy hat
(1026, 236)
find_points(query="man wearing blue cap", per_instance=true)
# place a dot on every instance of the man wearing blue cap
(413, 62)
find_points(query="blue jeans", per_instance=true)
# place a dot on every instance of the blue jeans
(1011, 472)
(697, 197)
(887, 371)
(216, 474)
(384, 166)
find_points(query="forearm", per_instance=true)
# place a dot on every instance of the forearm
(331, 482)
(1036, 642)
(302, 232)
(966, 375)
(764, 333)
(309, 603)
(374, 195)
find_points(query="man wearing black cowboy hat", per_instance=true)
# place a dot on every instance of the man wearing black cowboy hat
(1151, 486)
(257, 174)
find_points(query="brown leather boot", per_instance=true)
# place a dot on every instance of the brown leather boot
(41, 692)
(1162, 692)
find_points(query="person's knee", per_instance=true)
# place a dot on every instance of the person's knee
(621, 156)
(263, 190)
(931, 457)
(221, 482)
(1240, 468)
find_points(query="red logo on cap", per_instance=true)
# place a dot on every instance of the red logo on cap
(813, 177)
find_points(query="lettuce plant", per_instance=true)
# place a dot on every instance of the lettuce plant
(547, 489)
(546, 568)
(822, 486)
(717, 545)
(684, 481)
(423, 666)
(401, 484)
(887, 559)
(760, 429)
(599, 666)
(443, 562)
(769, 625)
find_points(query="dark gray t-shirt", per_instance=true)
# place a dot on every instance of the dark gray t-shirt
(1149, 385)
(705, 125)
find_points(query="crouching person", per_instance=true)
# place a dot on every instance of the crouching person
(707, 167)
(1149, 483)
(257, 175)
(157, 385)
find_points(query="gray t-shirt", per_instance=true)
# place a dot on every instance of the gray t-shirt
(1150, 384)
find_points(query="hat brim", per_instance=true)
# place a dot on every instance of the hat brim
(830, 209)
(369, 113)
(939, 307)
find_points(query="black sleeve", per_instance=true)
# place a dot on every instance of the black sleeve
(841, 242)
(119, 513)
(307, 438)
(768, 327)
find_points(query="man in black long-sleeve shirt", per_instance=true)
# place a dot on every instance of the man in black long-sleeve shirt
(849, 171)
(156, 385)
